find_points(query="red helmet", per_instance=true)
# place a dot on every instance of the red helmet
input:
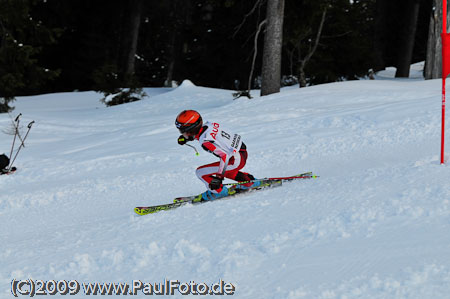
(189, 121)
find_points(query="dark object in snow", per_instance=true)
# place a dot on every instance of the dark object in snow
(8, 171)
(4, 161)
(243, 93)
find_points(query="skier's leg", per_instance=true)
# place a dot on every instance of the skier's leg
(205, 173)
(241, 176)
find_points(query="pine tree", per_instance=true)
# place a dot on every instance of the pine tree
(22, 39)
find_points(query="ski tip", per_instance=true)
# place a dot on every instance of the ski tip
(143, 211)
(138, 211)
(308, 175)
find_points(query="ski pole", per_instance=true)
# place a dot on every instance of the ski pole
(17, 128)
(29, 127)
(196, 152)
(22, 145)
(288, 178)
(16, 131)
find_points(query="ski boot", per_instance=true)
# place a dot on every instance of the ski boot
(246, 177)
(209, 195)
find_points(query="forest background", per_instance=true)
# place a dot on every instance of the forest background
(49, 46)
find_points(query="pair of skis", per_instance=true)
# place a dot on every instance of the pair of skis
(233, 189)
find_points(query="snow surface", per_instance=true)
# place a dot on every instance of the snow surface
(374, 225)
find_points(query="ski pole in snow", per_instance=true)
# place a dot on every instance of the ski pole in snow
(16, 127)
(21, 145)
(16, 133)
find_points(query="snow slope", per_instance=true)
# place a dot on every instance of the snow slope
(374, 225)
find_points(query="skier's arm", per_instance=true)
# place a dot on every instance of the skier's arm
(223, 156)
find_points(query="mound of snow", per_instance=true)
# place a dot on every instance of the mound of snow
(186, 84)
(415, 72)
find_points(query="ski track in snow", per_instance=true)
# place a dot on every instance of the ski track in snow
(374, 225)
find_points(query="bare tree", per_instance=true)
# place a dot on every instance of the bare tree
(261, 25)
(130, 37)
(256, 9)
(303, 61)
(271, 66)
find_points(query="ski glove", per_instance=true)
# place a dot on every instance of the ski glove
(216, 183)
(182, 140)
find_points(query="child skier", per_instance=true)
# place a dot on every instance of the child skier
(222, 143)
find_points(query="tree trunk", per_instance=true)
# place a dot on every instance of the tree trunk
(130, 37)
(171, 45)
(407, 39)
(302, 76)
(171, 53)
(433, 61)
(169, 78)
(381, 32)
(271, 67)
(180, 17)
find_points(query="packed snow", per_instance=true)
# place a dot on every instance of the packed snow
(375, 224)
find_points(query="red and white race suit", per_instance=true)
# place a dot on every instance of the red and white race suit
(227, 146)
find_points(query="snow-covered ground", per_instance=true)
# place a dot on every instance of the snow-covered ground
(374, 225)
